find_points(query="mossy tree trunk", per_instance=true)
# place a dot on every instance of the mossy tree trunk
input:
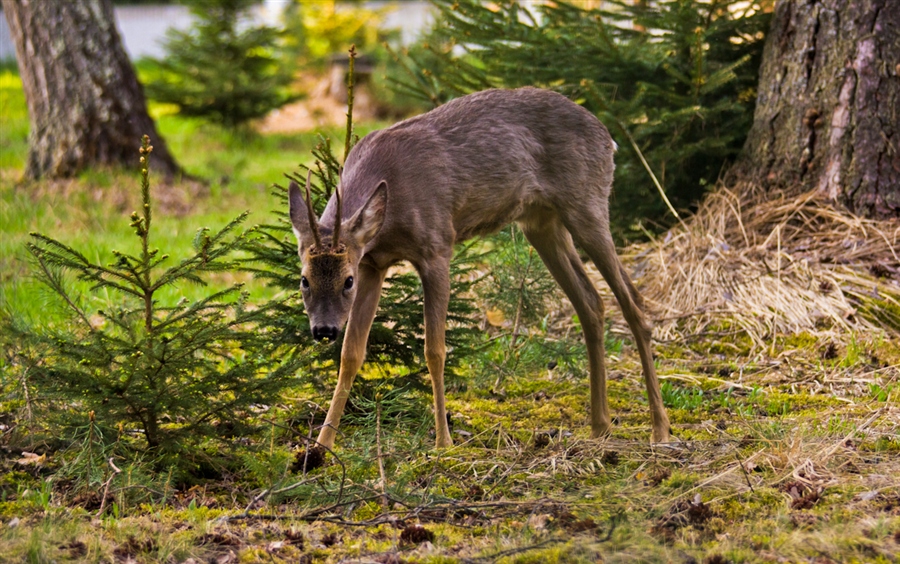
(828, 107)
(85, 104)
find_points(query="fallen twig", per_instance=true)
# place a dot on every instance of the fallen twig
(116, 472)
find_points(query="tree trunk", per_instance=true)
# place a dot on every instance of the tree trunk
(828, 108)
(85, 104)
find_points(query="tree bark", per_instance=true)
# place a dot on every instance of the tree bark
(828, 103)
(85, 105)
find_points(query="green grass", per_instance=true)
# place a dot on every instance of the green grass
(91, 212)
(13, 122)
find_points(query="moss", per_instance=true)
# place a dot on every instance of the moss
(678, 481)
(882, 311)
(16, 481)
(882, 444)
(797, 341)
(563, 554)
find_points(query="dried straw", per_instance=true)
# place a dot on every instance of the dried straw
(766, 263)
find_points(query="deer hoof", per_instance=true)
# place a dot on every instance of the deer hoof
(601, 431)
(660, 436)
(443, 442)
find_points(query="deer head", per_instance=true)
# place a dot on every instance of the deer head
(331, 259)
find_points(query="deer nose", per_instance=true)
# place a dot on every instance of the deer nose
(321, 333)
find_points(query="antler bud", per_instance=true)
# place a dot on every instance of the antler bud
(336, 237)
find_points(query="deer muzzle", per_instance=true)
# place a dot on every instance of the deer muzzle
(325, 332)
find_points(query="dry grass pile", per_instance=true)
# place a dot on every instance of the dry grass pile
(766, 264)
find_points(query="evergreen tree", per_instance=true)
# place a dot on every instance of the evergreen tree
(176, 373)
(222, 69)
(673, 80)
(397, 335)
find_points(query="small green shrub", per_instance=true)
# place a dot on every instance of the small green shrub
(518, 283)
(177, 374)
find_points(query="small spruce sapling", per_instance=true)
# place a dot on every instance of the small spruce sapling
(178, 373)
(397, 335)
(223, 68)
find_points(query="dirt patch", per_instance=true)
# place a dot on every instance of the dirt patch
(681, 514)
(74, 550)
(320, 109)
(803, 496)
(656, 476)
(330, 539)
(416, 534)
(133, 547)
(219, 539)
(571, 523)
(307, 460)
(91, 500)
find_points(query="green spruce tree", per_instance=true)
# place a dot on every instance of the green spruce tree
(397, 335)
(222, 69)
(673, 80)
(177, 374)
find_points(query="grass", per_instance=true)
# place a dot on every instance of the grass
(91, 211)
(787, 455)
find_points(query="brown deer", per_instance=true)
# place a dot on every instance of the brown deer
(468, 168)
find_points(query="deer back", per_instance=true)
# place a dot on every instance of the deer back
(475, 164)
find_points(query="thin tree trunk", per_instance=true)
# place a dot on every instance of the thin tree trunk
(85, 104)
(828, 108)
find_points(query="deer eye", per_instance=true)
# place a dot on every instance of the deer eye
(348, 283)
(304, 283)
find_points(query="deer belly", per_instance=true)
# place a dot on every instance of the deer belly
(473, 221)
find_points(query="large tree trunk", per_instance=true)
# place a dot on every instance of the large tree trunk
(828, 109)
(85, 104)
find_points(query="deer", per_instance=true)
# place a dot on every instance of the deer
(413, 190)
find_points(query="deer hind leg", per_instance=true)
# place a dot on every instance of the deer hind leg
(435, 275)
(594, 237)
(555, 247)
(353, 352)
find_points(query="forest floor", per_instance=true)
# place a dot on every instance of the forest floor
(793, 457)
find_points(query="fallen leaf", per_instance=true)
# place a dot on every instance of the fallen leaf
(538, 522)
(495, 317)
(31, 458)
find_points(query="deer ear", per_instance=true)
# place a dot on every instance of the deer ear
(365, 223)
(299, 215)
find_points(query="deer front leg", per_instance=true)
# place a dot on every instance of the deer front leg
(436, 283)
(353, 352)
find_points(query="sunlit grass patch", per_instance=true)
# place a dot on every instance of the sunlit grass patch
(13, 124)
